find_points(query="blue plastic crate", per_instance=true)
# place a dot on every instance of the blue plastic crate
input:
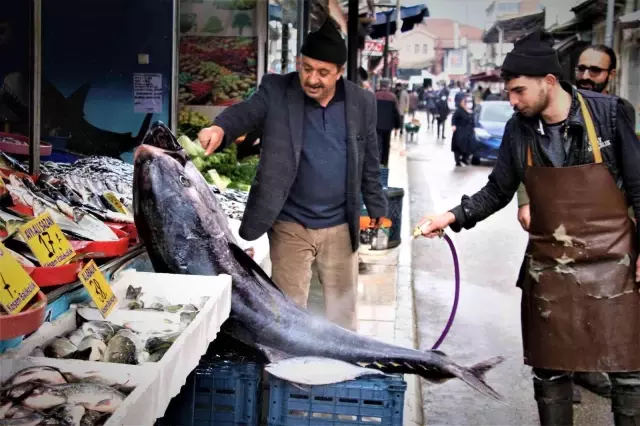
(221, 393)
(366, 401)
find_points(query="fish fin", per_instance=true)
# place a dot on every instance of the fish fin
(482, 367)
(474, 377)
(144, 128)
(273, 355)
(77, 100)
(249, 265)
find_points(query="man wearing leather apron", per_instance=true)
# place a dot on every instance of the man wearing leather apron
(578, 156)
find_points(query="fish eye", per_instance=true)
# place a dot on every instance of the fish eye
(184, 181)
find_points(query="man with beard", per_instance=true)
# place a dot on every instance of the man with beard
(319, 153)
(577, 153)
(596, 68)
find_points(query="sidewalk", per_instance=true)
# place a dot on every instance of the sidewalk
(386, 308)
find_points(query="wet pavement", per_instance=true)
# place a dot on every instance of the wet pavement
(488, 318)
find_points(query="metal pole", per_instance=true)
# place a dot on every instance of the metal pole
(385, 70)
(173, 108)
(352, 41)
(608, 38)
(35, 73)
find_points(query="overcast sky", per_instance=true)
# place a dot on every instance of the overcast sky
(473, 12)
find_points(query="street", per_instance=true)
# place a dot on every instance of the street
(488, 317)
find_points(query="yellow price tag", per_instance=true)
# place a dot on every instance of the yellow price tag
(16, 286)
(46, 241)
(98, 288)
(115, 202)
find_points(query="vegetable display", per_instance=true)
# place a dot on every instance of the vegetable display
(217, 70)
(222, 168)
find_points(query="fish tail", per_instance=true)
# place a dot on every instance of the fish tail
(474, 376)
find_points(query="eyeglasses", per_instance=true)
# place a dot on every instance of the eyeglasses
(593, 70)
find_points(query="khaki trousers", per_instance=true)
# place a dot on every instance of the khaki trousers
(294, 248)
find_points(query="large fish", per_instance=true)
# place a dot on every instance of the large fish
(181, 223)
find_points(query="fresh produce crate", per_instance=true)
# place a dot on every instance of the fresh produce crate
(365, 401)
(223, 393)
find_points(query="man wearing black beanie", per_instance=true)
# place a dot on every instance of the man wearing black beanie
(577, 154)
(319, 153)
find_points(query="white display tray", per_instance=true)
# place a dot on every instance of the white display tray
(166, 377)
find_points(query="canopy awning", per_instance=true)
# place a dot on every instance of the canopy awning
(513, 28)
(630, 20)
(492, 76)
(410, 16)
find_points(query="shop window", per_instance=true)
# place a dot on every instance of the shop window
(285, 30)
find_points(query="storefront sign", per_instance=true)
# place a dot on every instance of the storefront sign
(47, 242)
(98, 288)
(374, 47)
(147, 93)
(16, 286)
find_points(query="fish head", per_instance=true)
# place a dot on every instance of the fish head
(161, 136)
(44, 397)
(175, 209)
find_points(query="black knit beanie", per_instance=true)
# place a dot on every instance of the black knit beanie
(533, 56)
(326, 44)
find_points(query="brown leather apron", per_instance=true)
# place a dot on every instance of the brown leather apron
(580, 302)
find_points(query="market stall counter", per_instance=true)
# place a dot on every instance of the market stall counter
(128, 366)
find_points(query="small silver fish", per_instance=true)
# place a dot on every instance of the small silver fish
(101, 330)
(30, 419)
(60, 347)
(76, 336)
(91, 396)
(91, 418)
(5, 406)
(41, 374)
(70, 414)
(95, 347)
(120, 350)
(133, 292)
(186, 318)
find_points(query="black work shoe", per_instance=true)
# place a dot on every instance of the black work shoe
(597, 383)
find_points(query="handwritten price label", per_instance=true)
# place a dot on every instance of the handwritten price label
(46, 241)
(98, 288)
(16, 286)
(115, 202)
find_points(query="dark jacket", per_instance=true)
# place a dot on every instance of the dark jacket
(388, 111)
(442, 105)
(462, 139)
(277, 107)
(618, 143)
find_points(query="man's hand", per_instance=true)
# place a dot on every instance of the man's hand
(638, 270)
(432, 226)
(524, 217)
(210, 138)
(375, 222)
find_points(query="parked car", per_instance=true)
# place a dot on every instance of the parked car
(490, 120)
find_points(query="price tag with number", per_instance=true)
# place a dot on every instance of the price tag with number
(46, 241)
(115, 202)
(98, 288)
(16, 286)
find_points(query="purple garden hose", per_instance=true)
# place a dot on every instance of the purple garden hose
(456, 297)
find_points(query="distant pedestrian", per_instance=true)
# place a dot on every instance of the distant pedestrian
(388, 118)
(413, 104)
(462, 125)
(442, 111)
(403, 104)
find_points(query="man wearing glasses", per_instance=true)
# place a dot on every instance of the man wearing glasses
(596, 68)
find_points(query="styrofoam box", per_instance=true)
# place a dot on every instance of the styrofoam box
(167, 376)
